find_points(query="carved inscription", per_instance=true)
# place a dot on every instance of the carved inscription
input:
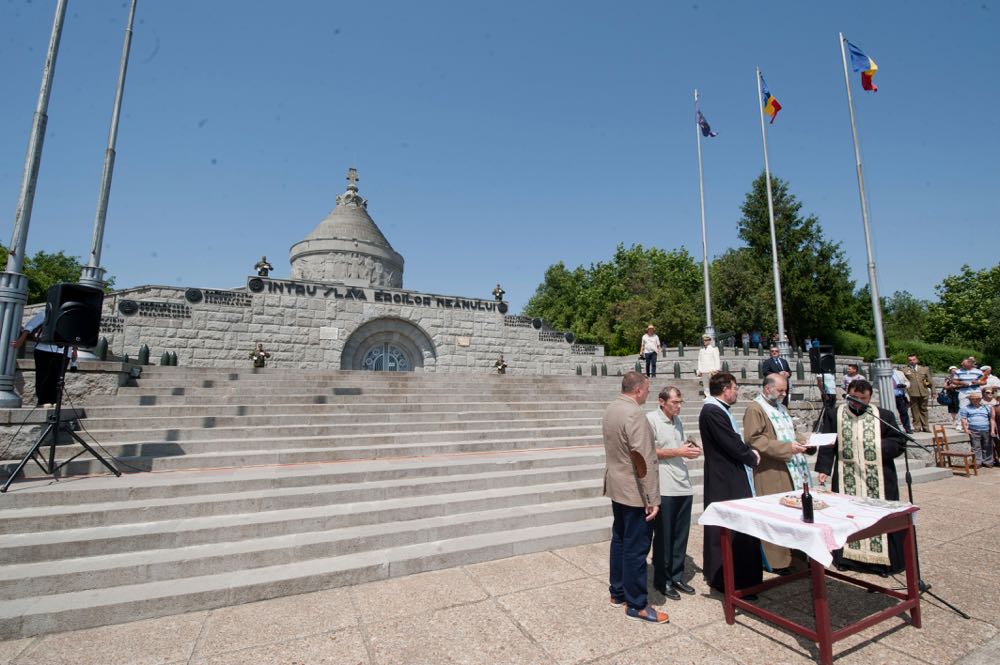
(112, 324)
(227, 298)
(517, 321)
(154, 309)
(551, 336)
(585, 349)
(340, 292)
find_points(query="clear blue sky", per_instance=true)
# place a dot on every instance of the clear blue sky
(496, 138)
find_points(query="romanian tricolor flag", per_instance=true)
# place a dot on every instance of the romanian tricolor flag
(862, 63)
(771, 105)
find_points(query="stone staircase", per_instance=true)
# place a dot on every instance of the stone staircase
(268, 483)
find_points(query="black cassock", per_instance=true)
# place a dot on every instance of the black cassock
(893, 445)
(726, 456)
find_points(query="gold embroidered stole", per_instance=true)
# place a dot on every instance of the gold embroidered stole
(860, 470)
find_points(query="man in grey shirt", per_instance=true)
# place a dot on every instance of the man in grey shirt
(671, 527)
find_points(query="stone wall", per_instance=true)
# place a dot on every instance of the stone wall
(309, 325)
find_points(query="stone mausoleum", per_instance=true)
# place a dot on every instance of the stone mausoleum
(343, 308)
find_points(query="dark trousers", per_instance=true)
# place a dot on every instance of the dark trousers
(982, 445)
(903, 407)
(47, 368)
(630, 537)
(670, 539)
(651, 363)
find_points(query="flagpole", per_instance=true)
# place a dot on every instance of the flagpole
(93, 273)
(883, 367)
(709, 329)
(13, 284)
(783, 346)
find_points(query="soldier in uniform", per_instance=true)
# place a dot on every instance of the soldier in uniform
(263, 267)
(259, 356)
(919, 391)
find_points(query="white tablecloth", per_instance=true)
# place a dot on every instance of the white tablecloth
(765, 518)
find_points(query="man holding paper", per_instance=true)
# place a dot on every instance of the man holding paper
(862, 464)
(770, 430)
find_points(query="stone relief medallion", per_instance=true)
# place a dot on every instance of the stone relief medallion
(193, 296)
(570, 337)
(256, 284)
(536, 323)
(128, 307)
(502, 308)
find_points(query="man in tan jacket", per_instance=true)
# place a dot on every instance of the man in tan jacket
(919, 391)
(635, 501)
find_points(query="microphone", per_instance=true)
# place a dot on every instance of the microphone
(854, 400)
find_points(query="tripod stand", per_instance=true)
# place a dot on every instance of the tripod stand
(56, 425)
(923, 586)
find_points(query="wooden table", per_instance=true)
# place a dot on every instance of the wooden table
(822, 634)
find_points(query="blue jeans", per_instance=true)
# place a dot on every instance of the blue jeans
(651, 363)
(631, 535)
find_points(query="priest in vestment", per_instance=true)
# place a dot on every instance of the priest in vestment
(769, 429)
(728, 475)
(862, 464)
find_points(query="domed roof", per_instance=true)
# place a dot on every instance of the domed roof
(347, 247)
(350, 219)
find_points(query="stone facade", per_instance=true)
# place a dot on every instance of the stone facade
(323, 325)
(343, 308)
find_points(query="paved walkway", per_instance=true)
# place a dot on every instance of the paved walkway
(551, 607)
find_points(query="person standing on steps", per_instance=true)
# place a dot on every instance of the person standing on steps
(649, 348)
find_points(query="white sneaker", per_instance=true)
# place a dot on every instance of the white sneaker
(958, 428)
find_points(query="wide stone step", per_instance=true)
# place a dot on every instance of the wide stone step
(373, 389)
(273, 453)
(24, 617)
(375, 432)
(256, 506)
(317, 397)
(278, 419)
(174, 484)
(319, 437)
(109, 571)
(363, 412)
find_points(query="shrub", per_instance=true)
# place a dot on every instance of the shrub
(852, 344)
(936, 356)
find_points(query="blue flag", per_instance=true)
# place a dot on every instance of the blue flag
(706, 130)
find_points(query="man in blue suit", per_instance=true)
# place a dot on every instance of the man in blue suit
(778, 365)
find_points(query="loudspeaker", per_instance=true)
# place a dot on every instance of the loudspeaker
(822, 360)
(72, 315)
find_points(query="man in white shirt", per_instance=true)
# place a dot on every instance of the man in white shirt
(992, 381)
(649, 348)
(968, 379)
(709, 362)
(672, 525)
(48, 358)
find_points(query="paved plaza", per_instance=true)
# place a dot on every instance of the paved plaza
(551, 607)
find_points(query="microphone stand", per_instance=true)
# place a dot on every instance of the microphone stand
(923, 586)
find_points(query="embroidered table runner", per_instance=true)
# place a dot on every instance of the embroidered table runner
(765, 518)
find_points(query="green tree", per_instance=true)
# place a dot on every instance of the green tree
(742, 293)
(611, 303)
(815, 277)
(44, 269)
(905, 316)
(967, 311)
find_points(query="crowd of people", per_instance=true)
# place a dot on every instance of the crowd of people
(648, 481)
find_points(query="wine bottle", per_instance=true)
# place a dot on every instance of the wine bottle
(807, 504)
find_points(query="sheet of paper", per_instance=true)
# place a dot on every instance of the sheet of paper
(817, 439)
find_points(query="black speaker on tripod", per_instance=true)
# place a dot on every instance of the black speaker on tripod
(72, 315)
(822, 360)
(72, 318)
